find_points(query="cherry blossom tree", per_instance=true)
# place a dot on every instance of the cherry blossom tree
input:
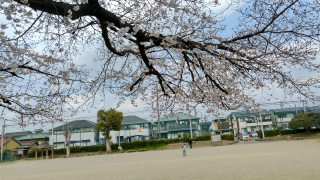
(67, 133)
(36, 87)
(179, 47)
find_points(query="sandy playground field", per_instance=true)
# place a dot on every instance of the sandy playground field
(287, 160)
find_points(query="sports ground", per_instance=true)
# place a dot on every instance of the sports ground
(242, 161)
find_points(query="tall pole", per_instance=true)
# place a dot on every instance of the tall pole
(190, 125)
(31, 141)
(52, 133)
(232, 126)
(52, 140)
(304, 109)
(4, 123)
(119, 138)
(130, 132)
(257, 123)
(205, 124)
(159, 131)
(6, 143)
(295, 106)
(261, 123)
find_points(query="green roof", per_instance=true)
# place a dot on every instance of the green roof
(76, 125)
(179, 116)
(127, 120)
(33, 137)
(248, 113)
(23, 147)
(315, 109)
(17, 134)
(205, 123)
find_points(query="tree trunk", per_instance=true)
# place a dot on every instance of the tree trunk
(308, 130)
(108, 147)
(67, 135)
(68, 151)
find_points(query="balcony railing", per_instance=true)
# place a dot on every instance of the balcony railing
(181, 126)
(257, 121)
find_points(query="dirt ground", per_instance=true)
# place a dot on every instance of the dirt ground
(242, 161)
(196, 144)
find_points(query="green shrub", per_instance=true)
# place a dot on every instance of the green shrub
(174, 140)
(32, 153)
(269, 133)
(202, 138)
(284, 132)
(184, 135)
(227, 137)
(124, 145)
(75, 149)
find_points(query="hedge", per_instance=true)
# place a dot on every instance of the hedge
(270, 133)
(126, 145)
(227, 137)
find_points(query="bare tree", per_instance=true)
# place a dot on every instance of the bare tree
(181, 46)
(67, 136)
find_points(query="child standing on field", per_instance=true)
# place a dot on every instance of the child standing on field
(184, 149)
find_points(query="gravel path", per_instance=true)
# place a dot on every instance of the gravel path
(242, 161)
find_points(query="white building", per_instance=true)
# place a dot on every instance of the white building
(84, 134)
(250, 121)
(282, 117)
(133, 129)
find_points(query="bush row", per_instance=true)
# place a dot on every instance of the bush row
(270, 133)
(227, 137)
(126, 145)
(74, 149)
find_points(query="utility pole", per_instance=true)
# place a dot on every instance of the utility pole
(52, 140)
(3, 128)
(190, 125)
(260, 111)
(304, 108)
(119, 138)
(232, 126)
(31, 140)
(159, 131)
(295, 106)
(4, 124)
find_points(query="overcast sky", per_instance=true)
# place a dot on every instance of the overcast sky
(110, 101)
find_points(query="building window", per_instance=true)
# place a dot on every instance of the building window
(282, 115)
(244, 130)
(242, 119)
